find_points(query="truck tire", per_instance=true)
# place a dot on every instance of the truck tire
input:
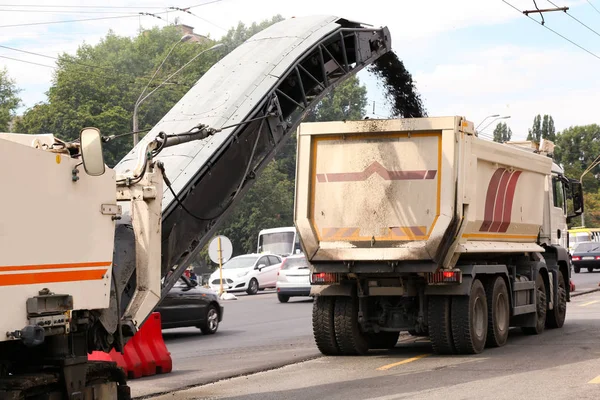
(383, 340)
(350, 339)
(541, 301)
(498, 312)
(440, 329)
(470, 320)
(323, 327)
(556, 317)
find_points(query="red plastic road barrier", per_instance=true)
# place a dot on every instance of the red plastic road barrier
(145, 354)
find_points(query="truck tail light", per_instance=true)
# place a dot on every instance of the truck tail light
(576, 258)
(324, 278)
(441, 277)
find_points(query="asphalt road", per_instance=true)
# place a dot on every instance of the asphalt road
(560, 363)
(585, 280)
(257, 333)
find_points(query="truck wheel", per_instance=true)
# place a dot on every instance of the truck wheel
(540, 290)
(556, 317)
(470, 320)
(498, 312)
(349, 337)
(323, 327)
(438, 317)
(383, 340)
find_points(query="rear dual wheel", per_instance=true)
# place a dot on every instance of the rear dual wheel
(498, 312)
(459, 324)
(337, 331)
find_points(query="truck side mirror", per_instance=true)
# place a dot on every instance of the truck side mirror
(577, 196)
(91, 151)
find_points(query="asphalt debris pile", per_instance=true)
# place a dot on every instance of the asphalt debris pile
(399, 86)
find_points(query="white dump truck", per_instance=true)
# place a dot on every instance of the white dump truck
(419, 225)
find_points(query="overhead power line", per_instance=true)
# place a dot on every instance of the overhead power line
(67, 11)
(553, 31)
(69, 21)
(594, 7)
(28, 62)
(88, 7)
(598, 34)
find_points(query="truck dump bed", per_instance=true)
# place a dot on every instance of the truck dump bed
(422, 189)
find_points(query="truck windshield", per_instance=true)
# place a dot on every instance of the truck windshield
(277, 243)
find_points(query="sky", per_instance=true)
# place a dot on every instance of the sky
(473, 58)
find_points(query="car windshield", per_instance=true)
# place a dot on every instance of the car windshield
(240, 262)
(295, 263)
(587, 247)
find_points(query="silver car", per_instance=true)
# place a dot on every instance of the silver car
(293, 278)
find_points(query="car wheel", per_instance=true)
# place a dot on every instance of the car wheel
(283, 298)
(211, 322)
(576, 269)
(590, 269)
(252, 286)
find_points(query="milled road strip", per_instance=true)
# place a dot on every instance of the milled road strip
(408, 360)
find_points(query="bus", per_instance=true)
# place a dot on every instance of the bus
(282, 241)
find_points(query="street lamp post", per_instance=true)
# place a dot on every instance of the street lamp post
(495, 119)
(136, 137)
(489, 116)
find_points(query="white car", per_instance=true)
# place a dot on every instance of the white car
(248, 273)
(293, 278)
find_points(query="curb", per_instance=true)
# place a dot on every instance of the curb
(585, 292)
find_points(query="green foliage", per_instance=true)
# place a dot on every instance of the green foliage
(9, 99)
(577, 149)
(99, 85)
(502, 133)
(542, 129)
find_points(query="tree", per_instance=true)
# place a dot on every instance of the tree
(543, 128)
(99, 85)
(502, 133)
(9, 100)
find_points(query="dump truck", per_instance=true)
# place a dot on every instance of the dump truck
(418, 225)
(87, 252)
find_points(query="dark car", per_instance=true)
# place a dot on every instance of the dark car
(586, 255)
(188, 304)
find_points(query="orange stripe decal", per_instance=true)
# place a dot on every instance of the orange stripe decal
(55, 266)
(51, 277)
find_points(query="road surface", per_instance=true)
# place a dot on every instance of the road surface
(257, 333)
(561, 363)
(585, 280)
